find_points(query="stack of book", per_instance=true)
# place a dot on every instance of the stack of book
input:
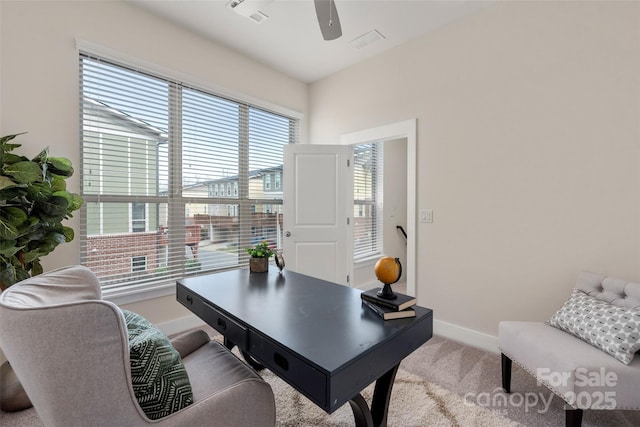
(397, 308)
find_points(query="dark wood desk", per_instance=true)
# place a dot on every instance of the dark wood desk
(315, 335)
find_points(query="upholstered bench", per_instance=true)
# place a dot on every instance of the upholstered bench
(583, 374)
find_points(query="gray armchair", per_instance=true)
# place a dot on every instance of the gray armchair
(69, 348)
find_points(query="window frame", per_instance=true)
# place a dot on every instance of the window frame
(372, 206)
(140, 292)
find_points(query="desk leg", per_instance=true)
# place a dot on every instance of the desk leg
(250, 360)
(377, 416)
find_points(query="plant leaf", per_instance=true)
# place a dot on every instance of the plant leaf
(69, 234)
(11, 275)
(56, 206)
(36, 268)
(42, 156)
(60, 166)
(39, 191)
(58, 184)
(8, 248)
(77, 202)
(31, 256)
(6, 182)
(8, 226)
(25, 172)
(8, 275)
(8, 138)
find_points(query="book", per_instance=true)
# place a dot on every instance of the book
(399, 303)
(387, 313)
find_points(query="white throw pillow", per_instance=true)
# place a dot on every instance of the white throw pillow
(611, 328)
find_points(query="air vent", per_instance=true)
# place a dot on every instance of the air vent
(258, 17)
(366, 39)
(250, 9)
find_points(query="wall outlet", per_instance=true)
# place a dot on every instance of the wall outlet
(426, 215)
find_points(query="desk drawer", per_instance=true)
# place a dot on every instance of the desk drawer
(303, 377)
(232, 330)
(189, 300)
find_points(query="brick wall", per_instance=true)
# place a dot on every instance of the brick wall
(112, 254)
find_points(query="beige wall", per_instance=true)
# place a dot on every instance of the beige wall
(528, 151)
(39, 70)
(528, 137)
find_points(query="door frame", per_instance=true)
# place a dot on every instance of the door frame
(405, 129)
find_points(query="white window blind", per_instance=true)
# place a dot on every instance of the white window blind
(368, 201)
(172, 176)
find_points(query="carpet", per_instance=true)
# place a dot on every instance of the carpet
(431, 388)
(414, 403)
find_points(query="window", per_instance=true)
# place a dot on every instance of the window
(367, 200)
(267, 181)
(277, 179)
(138, 217)
(168, 170)
(138, 263)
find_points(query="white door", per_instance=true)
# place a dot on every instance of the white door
(318, 205)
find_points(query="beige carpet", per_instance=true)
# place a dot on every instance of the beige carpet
(414, 403)
(437, 385)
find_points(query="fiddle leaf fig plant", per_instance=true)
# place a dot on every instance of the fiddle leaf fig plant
(33, 203)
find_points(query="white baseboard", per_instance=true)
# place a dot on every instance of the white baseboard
(466, 336)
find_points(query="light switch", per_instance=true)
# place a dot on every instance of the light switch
(426, 215)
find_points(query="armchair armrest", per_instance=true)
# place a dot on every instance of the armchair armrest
(189, 342)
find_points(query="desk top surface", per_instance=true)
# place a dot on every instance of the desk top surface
(324, 322)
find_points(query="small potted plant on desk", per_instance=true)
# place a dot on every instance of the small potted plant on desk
(260, 254)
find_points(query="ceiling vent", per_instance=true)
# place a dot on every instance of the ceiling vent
(366, 39)
(250, 9)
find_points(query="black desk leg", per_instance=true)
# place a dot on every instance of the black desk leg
(247, 357)
(377, 416)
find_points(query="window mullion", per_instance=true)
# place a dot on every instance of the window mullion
(243, 181)
(176, 205)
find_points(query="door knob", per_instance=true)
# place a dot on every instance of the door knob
(287, 234)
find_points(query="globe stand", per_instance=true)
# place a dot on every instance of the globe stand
(386, 292)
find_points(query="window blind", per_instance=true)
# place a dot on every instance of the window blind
(176, 180)
(368, 200)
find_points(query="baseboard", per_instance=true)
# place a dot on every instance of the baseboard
(367, 285)
(182, 324)
(466, 336)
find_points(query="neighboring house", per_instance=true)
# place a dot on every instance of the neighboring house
(266, 219)
(120, 248)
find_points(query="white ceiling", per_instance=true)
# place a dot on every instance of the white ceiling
(289, 40)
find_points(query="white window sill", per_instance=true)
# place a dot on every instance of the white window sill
(131, 294)
(367, 261)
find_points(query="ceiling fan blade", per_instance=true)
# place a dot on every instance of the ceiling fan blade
(328, 19)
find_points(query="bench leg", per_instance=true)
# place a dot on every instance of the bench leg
(506, 374)
(573, 417)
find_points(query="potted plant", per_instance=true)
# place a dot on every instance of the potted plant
(33, 203)
(260, 254)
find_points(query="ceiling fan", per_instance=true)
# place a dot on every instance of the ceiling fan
(328, 19)
(325, 11)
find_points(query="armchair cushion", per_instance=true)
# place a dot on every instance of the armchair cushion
(611, 328)
(160, 381)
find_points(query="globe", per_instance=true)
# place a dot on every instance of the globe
(388, 271)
